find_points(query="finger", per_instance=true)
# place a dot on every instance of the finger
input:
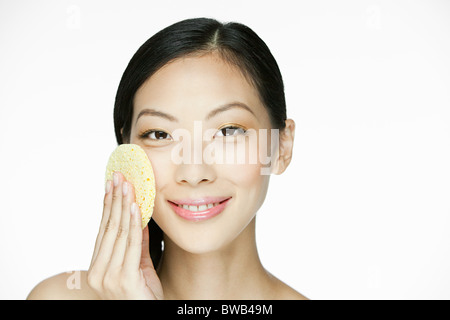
(123, 231)
(134, 243)
(107, 202)
(112, 224)
(145, 242)
(146, 260)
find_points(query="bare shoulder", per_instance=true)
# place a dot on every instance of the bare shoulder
(70, 285)
(288, 293)
(284, 292)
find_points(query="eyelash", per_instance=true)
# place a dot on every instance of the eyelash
(145, 134)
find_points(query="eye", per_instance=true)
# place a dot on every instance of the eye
(230, 131)
(155, 135)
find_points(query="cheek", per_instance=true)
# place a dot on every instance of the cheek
(245, 175)
(161, 165)
(162, 169)
(251, 186)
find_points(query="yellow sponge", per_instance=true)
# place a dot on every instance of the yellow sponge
(132, 161)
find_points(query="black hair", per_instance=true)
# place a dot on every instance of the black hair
(236, 44)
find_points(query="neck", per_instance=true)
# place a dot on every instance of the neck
(233, 272)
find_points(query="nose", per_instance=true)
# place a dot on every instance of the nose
(194, 174)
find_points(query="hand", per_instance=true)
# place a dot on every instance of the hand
(121, 267)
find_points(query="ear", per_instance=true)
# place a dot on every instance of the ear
(285, 148)
(123, 138)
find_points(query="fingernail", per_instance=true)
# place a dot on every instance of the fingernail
(133, 207)
(116, 179)
(124, 188)
(107, 186)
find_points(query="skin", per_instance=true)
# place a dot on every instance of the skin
(211, 259)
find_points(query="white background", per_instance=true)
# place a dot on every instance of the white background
(363, 211)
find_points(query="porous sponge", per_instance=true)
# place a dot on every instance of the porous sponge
(132, 161)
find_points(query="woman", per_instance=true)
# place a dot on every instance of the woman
(200, 243)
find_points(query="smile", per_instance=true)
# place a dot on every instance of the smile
(200, 212)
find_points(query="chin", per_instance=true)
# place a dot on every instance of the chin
(198, 242)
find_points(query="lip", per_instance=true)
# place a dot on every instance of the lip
(200, 215)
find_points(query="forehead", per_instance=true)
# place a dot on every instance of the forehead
(197, 84)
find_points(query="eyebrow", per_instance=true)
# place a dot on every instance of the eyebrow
(213, 113)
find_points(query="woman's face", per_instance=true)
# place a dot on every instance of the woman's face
(182, 97)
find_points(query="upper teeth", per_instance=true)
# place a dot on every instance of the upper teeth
(198, 208)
